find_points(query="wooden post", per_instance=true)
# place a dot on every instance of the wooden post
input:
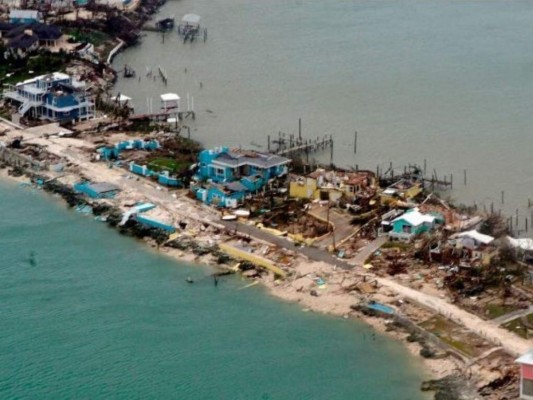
(355, 143)
(503, 197)
(516, 223)
(451, 181)
(300, 128)
(464, 171)
(425, 165)
(331, 155)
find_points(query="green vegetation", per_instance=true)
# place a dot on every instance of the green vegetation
(395, 244)
(97, 38)
(520, 327)
(40, 63)
(167, 164)
(497, 310)
(453, 335)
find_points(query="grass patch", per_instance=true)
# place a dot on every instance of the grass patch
(40, 64)
(167, 164)
(453, 335)
(497, 310)
(97, 38)
(396, 245)
(518, 327)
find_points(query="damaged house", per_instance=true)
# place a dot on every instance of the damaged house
(225, 177)
(473, 247)
(411, 224)
(333, 185)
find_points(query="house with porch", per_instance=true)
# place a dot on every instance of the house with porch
(225, 177)
(411, 224)
(54, 97)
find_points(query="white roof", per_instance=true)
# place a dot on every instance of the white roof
(526, 358)
(170, 97)
(478, 237)
(191, 19)
(415, 218)
(524, 244)
(24, 14)
(55, 76)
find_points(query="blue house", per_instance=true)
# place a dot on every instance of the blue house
(54, 97)
(224, 165)
(25, 16)
(221, 195)
(101, 190)
(411, 224)
(226, 176)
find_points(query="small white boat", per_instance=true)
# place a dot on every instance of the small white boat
(229, 217)
(241, 213)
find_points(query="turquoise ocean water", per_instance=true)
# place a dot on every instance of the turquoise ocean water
(88, 314)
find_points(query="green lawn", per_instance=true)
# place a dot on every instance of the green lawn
(95, 37)
(453, 335)
(168, 164)
(497, 310)
(39, 64)
(518, 327)
(396, 244)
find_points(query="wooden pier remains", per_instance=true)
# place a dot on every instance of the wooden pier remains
(413, 172)
(163, 75)
(292, 146)
(163, 116)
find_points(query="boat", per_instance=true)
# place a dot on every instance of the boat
(165, 24)
(241, 213)
(229, 217)
(190, 28)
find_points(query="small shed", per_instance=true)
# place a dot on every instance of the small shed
(170, 101)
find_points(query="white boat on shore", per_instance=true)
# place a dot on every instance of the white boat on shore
(241, 213)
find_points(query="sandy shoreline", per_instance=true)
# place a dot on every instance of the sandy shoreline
(337, 296)
(330, 301)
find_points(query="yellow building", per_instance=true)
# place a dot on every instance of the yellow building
(402, 190)
(331, 185)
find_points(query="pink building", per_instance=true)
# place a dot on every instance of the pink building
(526, 375)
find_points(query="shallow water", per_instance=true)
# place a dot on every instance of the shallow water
(86, 313)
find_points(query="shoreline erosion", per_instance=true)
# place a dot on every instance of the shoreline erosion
(335, 302)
